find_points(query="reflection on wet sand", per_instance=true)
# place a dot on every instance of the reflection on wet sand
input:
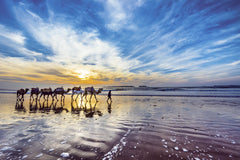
(109, 106)
(90, 111)
(33, 106)
(88, 108)
(76, 107)
(59, 106)
(19, 106)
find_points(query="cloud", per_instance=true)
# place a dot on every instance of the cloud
(227, 40)
(71, 47)
(235, 63)
(15, 39)
(119, 13)
(14, 36)
(123, 42)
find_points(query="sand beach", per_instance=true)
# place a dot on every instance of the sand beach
(131, 127)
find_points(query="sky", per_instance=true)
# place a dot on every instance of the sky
(127, 42)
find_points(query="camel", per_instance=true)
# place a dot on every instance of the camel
(46, 92)
(35, 91)
(21, 93)
(92, 91)
(60, 91)
(78, 91)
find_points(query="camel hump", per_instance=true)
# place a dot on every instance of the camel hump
(46, 90)
(76, 88)
(35, 89)
(59, 89)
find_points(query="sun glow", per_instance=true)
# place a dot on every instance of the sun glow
(83, 74)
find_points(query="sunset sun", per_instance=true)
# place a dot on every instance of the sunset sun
(83, 74)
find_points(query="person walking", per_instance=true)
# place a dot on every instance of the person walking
(109, 95)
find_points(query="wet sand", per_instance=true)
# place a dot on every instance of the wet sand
(142, 127)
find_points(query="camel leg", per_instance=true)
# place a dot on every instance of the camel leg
(85, 95)
(55, 95)
(90, 98)
(17, 97)
(64, 101)
(95, 97)
(72, 95)
(40, 97)
(81, 96)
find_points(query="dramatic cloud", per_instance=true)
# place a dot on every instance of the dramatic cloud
(120, 42)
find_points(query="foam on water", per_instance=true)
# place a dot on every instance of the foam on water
(185, 150)
(65, 155)
(39, 155)
(6, 148)
(25, 156)
(117, 148)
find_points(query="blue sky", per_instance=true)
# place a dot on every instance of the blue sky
(127, 42)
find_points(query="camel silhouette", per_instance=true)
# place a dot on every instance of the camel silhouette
(92, 91)
(35, 91)
(60, 91)
(78, 91)
(21, 93)
(46, 92)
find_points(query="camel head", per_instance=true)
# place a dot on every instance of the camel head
(26, 90)
(69, 89)
(99, 90)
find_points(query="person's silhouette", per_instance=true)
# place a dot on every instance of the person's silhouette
(109, 95)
